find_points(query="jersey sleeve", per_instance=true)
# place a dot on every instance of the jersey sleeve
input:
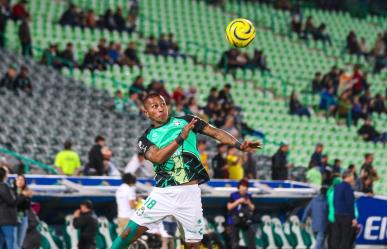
(144, 144)
(200, 124)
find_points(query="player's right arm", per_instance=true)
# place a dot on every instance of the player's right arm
(159, 156)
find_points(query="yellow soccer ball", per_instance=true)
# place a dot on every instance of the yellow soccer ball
(240, 33)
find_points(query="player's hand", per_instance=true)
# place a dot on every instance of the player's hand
(184, 133)
(77, 213)
(249, 146)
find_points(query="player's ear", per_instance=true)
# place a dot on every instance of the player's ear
(143, 110)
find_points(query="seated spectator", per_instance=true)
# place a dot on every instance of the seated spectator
(109, 166)
(138, 87)
(134, 103)
(358, 80)
(370, 134)
(151, 46)
(81, 19)
(8, 81)
(295, 106)
(328, 100)
(93, 61)
(119, 20)
(336, 169)
(49, 56)
(114, 52)
(352, 43)
(213, 97)
(69, 17)
(317, 84)
(102, 47)
(159, 87)
(139, 166)
(358, 111)
(19, 10)
(131, 24)
(225, 97)
(131, 58)
(23, 81)
(67, 56)
(321, 34)
(120, 103)
(67, 160)
(234, 164)
(365, 99)
(193, 108)
(173, 47)
(344, 104)
(109, 20)
(228, 60)
(297, 20)
(219, 162)
(163, 44)
(364, 50)
(90, 20)
(259, 60)
(317, 155)
(377, 104)
(364, 184)
(331, 79)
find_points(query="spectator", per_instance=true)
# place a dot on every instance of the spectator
(23, 81)
(315, 160)
(352, 43)
(139, 166)
(109, 166)
(67, 160)
(369, 134)
(336, 169)
(114, 52)
(19, 10)
(344, 104)
(69, 17)
(119, 20)
(234, 164)
(331, 79)
(163, 44)
(92, 60)
(229, 126)
(126, 200)
(313, 175)
(120, 103)
(109, 20)
(219, 162)
(328, 100)
(173, 47)
(364, 184)
(5, 14)
(137, 86)
(297, 19)
(279, 163)
(131, 23)
(295, 106)
(159, 87)
(309, 28)
(178, 95)
(352, 168)
(318, 210)
(320, 34)
(225, 97)
(25, 37)
(33, 237)
(240, 216)
(331, 209)
(250, 166)
(358, 111)
(213, 97)
(8, 212)
(91, 20)
(68, 56)
(317, 84)
(23, 196)
(367, 166)
(377, 104)
(87, 223)
(131, 59)
(49, 56)
(259, 60)
(363, 48)
(8, 81)
(344, 202)
(228, 60)
(95, 157)
(151, 46)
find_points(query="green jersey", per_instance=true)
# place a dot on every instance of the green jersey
(184, 165)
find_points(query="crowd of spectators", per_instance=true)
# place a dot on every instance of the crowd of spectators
(111, 20)
(234, 59)
(16, 82)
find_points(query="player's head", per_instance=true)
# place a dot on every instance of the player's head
(3, 174)
(67, 145)
(243, 186)
(222, 148)
(129, 179)
(86, 206)
(348, 177)
(155, 108)
(319, 148)
(368, 158)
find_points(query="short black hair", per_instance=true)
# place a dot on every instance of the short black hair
(99, 138)
(337, 160)
(228, 86)
(87, 203)
(351, 166)
(67, 145)
(3, 173)
(129, 179)
(367, 155)
(346, 174)
(151, 95)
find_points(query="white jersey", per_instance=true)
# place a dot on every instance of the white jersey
(124, 195)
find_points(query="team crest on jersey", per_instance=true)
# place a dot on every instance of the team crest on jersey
(176, 123)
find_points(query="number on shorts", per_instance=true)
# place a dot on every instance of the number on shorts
(150, 203)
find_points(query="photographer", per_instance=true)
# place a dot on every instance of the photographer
(240, 215)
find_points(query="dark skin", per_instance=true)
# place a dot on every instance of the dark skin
(156, 110)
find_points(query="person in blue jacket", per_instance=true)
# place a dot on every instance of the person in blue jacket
(318, 210)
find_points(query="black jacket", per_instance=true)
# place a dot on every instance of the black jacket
(33, 236)
(24, 33)
(279, 166)
(96, 159)
(8, 212)
(87, 224)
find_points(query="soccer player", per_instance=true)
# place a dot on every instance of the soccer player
(170, 144)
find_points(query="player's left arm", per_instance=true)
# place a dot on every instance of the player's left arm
(226, 138)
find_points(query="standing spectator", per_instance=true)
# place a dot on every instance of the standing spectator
(234, 164)
(67, 160)
(364, 184)
(151, 46)
(336, 169)
(139, 166)
(8, 212)
(96, 157)
(19, 10)
(295, 106)
(352, 43)
(250, 166)
(318, 210)
(219, 163)
(5, 14)
(8, 81)
(23, 196)
(68, 56)
(377, 104)
(240, 216)
(315, 160)
(126, 200)
(279, 163)
(87, 223)
(69, 17)
(317, 84)
(352, 168)
(25, 37)
(23, 81)
(344, 202)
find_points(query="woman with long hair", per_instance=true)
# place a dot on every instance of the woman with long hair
(23, 201)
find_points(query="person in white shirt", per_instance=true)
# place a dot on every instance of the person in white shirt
(139, 166)
(126, 200)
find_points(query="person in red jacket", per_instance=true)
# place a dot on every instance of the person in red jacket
(19, 10)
